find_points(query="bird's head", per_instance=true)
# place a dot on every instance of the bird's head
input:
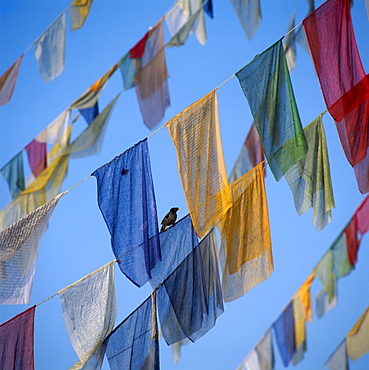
(174, 210)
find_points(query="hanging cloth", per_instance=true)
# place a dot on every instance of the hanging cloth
(36, 153)
(267, 86)
(125, 193)
(362, 217)
(249, 14)
(338, 359)
(8, 80)
(196, 136)
(358, 337)
(78, 11)
(13, 173)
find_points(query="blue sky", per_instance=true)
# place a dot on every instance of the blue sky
(77, 241)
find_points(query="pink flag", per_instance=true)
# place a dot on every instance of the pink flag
(16, 341)
(341, 75)
(352, 242)
(362, 216)
(8, 80)
(36, 156)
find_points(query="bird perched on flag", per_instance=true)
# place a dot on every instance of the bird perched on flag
(169, 219)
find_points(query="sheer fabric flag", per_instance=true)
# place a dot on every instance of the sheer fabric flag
(190, 299)
(261, 357)
(185, 17)
(90, 141)
(78, 11)
(176, 244)
(323, 304)
(340, 265)
(8, 80)
(358, 338)
(127, 202)
(90, 114)
(362, 217)
(249, 14)
(250, 156)
(54, 131)
(284, 330)
(89, 311)
(267, 86)
(310, 178)
(196, 136)
(134, 343)
(19, 244)
(246, 250)
(324, 272)
(13, 173)
(289, 45)
(50, 49)
(341, 75)
(352, 242)
(17, 338)
(338, 360)
(36, 153)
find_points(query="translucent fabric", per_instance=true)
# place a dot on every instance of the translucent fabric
(341, 74)
(127, 68)
(352, 242)
(310, 178)
(190, 299)
(246, 249)
(8, 80)
(134, 342)
(196, 136)
(284, 330)
(54, 131)
(176, 244)
(261, 357)
(151, 77)
(36, 153)
(338, 359)
(89, 310)
(324, 272)
(289, 45)
(90, 141)
(249, 14)
(358, 337)
(90, 114)
(89, 98)
(125, 194)
(50, 49)
(185, 17)
(19, 244)
(78, 11)
(267, 86)
(250, 156)
(323, 304)
(340, 265)
(362, 217)
(17, 341)
(13, 173)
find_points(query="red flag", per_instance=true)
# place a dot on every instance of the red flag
(36, 156)
(352, 242)
(362, 216)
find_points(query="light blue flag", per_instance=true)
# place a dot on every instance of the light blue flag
(13, 173)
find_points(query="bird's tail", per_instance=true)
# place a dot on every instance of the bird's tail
(162, 228)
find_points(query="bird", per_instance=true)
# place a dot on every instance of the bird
(169, 219)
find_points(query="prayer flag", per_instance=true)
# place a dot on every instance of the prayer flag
(340, 264)
(324, 272)
(345, 86)
(89, 98)
(362, 217)
(261, 357)
(19, 244)
(78, 11)
(185, 17)
(246, 249)
(89, 141)
(358, 338)
(126, 198)
(323, 304)
(267, 86)
(134, 342)
(16, 341)
(284, 330)
(89, 311)
(176, 244)
(250, 156)
(352, 242)
(128, 70)
(54, 131)
(36, 153)
(90, 114)
(196, 136)
(50, 49)
(310, 178)
(289, 45)
(13, 173)
(8, 80)
(208, 7)
(249, 14)
(338, 359)
(190, 299)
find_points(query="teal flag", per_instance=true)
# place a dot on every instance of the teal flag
(13, 173)
(267, 86)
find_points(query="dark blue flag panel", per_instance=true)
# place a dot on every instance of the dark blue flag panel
(134, 343)
(284, 330)
(190, 299)
(126, 198)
